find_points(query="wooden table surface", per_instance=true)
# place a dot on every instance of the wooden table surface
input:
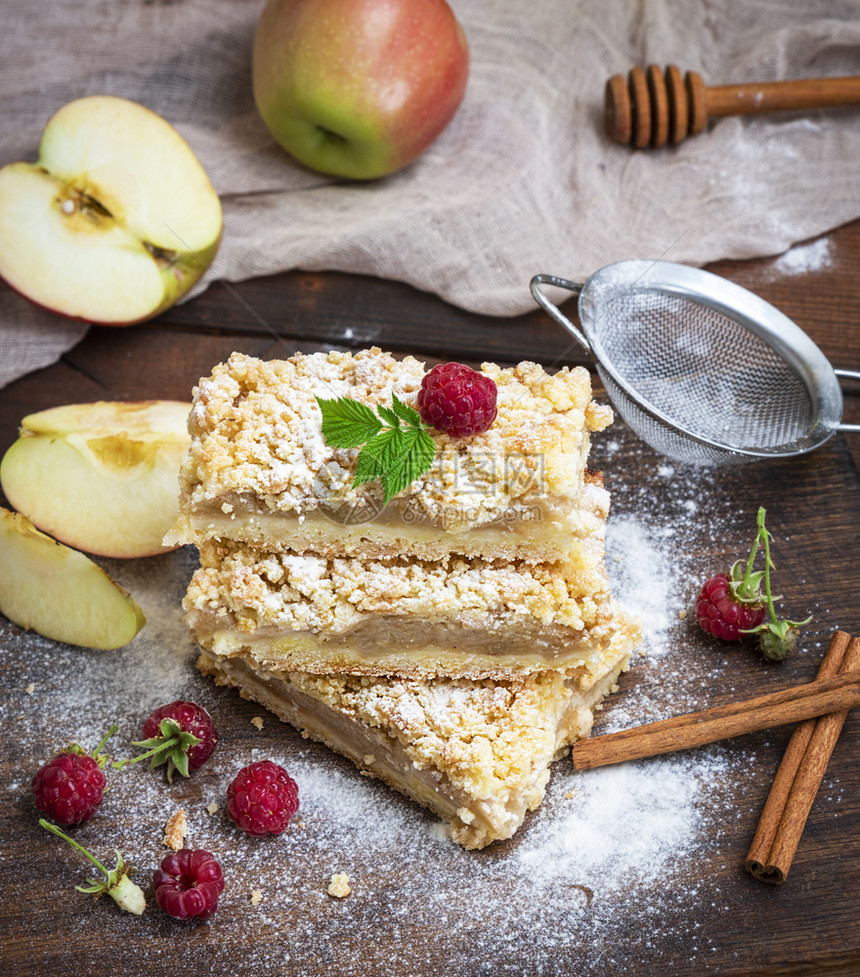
(722, 921)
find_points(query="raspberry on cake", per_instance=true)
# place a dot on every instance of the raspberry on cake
(457, 400)
(259, 471)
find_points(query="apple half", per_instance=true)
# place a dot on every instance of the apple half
(114, 222)
(60, 593)
(101, 477)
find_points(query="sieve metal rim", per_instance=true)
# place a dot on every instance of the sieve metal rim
(731, 300)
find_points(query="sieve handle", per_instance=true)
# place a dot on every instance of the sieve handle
(553, 310)
(849, 375)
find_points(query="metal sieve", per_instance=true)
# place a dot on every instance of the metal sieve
(701, 369)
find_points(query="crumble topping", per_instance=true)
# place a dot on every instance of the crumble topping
(256, 429)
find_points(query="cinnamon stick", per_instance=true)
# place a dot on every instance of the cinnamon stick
(840, 692)
(799, 776)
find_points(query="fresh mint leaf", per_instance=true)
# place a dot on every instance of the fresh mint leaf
(387, 414)
(415, 458)
(396, 446)
(347, 423)
(375, 456)
(406, 413)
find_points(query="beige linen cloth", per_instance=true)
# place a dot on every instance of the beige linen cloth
(522, 181)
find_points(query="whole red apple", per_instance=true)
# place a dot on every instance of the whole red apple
(358, 88)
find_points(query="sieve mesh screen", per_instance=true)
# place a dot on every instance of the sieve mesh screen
(705, 371)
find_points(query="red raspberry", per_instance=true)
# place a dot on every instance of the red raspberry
(262, 798)
(181, 734)
(721, 615)
(456, 400)
(69, 788)
(188, 883)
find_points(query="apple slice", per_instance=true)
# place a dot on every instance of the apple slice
(115, 221)
(101, 477)
(59, 593)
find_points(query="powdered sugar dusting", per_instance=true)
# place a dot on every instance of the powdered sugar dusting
(802, 259)
(606, 850)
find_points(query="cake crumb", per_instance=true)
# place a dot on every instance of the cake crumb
(31, 688)
(570, 795)
(256, 897)
(212, 808)
(257, 721)
(339, 886)
(175, 830)
(682, 615)
(368, 759)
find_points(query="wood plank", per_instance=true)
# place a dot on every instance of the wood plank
(420, 906)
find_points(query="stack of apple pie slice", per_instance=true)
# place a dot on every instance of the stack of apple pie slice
(452, 641)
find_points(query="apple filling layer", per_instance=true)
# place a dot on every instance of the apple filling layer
(461, 617)
(259, 470)
(475, 753)
(542, 531)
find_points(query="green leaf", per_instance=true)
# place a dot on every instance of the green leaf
(408, 414)
(415, 458)
(393, 452)
(346, 423)
(376, 454)
(387, 414)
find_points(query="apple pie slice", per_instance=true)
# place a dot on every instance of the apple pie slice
(259, 471)
(477, 754)
(456, 616)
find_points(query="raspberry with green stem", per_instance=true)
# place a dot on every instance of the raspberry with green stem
(180, 734)
(69, 787)
(116, 883)
(731, 606)
(776, 638)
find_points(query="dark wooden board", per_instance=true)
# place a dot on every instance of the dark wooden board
(419, 905)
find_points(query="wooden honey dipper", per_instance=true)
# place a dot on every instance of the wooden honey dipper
(651, 108)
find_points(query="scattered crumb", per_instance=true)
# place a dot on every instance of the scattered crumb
(31, 688)
(175, 830)
(570, 794)
(212, 808)
(682, 615)
(589, 893)
(257, 721)
(339, 886)
(256, 897)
